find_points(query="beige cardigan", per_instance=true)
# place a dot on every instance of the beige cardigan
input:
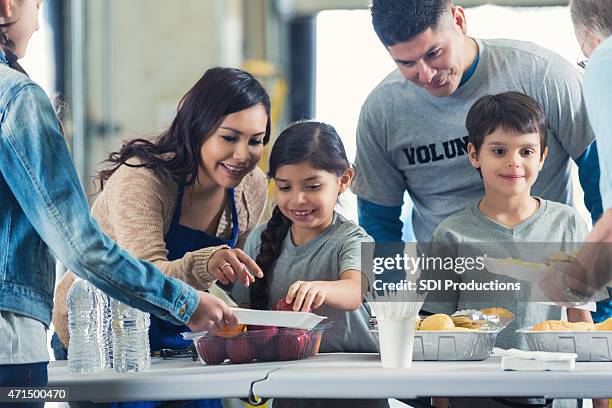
(135, 209)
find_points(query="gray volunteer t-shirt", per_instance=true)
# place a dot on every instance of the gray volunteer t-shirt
(325, 257)
(554, 227)
(410, 140)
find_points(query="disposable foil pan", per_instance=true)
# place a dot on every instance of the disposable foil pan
(453, 346)
(589, 346)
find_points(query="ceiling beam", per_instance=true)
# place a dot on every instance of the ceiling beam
(308, 7)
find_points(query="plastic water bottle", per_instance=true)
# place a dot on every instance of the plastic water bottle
(83, 324)
(131, 350)
(106, 329)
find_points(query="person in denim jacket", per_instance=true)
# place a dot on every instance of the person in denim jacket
(43, 211)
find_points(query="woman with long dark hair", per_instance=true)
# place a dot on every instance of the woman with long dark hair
(187, 200)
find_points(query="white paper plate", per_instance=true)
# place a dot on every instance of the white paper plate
(527, 271)
(516, 269)
(296, 320)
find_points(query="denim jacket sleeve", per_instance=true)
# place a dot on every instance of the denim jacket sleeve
(35, 161)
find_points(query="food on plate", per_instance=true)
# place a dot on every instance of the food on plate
(499, 312)
(467, 322)
(229, 332)
(211, 349)
(563, 326)
(606, 325)
(560, 257)
(437, 322)
(522, 263)
(239, 350)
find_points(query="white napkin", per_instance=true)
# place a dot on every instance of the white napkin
(521, 360)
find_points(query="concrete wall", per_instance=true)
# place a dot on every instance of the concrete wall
(142, 56)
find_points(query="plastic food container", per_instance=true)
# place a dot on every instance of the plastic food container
(589, 346)
(269, 344)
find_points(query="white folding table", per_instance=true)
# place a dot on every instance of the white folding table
(338, 375)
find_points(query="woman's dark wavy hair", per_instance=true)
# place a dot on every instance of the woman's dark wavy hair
(317, 144)
(218, 93)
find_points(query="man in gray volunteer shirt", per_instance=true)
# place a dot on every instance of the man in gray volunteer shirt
(411, 134)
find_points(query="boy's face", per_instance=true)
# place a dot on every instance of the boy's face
(509, 163)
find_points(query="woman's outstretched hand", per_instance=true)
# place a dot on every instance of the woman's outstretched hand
(230, 265)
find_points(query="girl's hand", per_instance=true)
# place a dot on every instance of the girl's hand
(306, 295)
(229, 265)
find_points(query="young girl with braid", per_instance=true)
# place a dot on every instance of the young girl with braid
(309, 254)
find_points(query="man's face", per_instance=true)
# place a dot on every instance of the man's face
(436, 58)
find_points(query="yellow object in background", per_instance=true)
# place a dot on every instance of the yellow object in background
(276, 85)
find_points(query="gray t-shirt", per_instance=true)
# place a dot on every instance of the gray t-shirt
(410, 140)
(553, 227)
(325, 257)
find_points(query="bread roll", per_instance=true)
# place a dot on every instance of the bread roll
(560, 325)
(437, 322)
(582, 326)
(606, 325)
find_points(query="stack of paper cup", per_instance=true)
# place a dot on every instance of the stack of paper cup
(396, 340)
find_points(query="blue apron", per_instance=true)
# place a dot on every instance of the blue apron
(162, 334)
(179, 241)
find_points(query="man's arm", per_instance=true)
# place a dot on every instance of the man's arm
(589, 174)
(381, 222)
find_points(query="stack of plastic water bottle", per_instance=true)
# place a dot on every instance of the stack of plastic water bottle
(105, 333)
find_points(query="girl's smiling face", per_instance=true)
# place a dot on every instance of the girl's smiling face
(308, 196)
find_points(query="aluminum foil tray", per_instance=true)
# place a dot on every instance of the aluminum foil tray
(453, 346)
(589, 346)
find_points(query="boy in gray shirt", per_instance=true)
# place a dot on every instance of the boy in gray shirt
(508, 146)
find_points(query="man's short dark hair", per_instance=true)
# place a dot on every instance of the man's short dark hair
(594, 14)
(514, 112)
(398, 21)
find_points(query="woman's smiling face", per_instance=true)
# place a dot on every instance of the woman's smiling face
(234, 148)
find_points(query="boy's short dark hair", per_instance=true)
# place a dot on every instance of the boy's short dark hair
(514, 112)
(398, 21)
